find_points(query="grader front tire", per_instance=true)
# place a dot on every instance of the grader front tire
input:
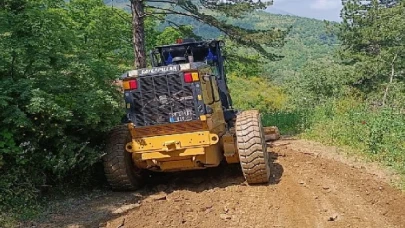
(119, 169)
(251, 144)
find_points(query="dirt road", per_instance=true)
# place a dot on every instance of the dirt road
(311, 186)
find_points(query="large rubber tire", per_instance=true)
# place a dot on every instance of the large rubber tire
(252, 148)
(119, 168)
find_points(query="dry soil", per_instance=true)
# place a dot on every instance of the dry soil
(311, 186)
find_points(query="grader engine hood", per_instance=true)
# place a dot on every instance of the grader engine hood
(163, 95)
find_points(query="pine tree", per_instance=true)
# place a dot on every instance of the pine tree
(372, 35)
(204, 11)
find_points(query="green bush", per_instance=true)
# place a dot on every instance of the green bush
(57, 99)
(378, 133)
(256, 93)
(288, 122)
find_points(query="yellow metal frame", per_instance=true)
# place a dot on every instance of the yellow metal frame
(229, 147)
(169, 155)
(176, 142)
(193, 158)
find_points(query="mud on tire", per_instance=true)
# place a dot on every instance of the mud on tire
(119, 169)
(251, 144)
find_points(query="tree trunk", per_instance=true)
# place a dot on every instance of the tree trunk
(138, 33)
(391, 80)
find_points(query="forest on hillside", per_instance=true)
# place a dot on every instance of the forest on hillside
(308, 38)
(341, 84)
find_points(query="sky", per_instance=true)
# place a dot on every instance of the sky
(319, 9)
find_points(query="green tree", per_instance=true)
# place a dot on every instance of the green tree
(242, 61)
(206, 11)
(171, 33)
(57, 64)
(372, 35)
(319, 81)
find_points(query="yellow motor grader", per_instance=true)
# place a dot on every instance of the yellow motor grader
(180, 117)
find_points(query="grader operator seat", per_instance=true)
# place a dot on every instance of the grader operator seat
(180, 117)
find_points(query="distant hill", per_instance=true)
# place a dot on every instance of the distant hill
(308, 39)
(274, 10)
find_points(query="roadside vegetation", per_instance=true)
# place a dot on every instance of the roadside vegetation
(341, 84)
(356, 97)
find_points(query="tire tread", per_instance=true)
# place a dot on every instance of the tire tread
(252, 148)
(118, 166)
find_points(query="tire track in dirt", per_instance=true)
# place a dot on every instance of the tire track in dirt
(311, 186)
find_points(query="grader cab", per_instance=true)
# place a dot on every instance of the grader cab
(180, 117)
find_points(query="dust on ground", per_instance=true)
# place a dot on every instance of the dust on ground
(311, 186)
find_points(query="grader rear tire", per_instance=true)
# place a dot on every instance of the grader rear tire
(251, 144)
(119, 168)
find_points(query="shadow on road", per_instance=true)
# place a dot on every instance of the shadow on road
(200, 180)
(276, 169)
